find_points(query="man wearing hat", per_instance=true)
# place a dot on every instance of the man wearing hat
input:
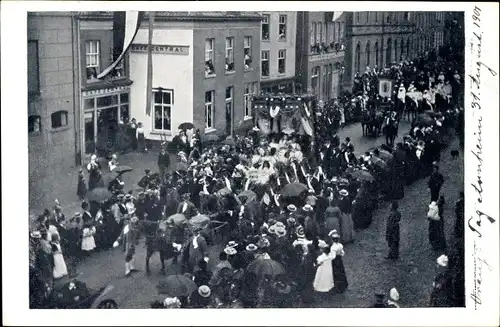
(392, 232)
(223, 263)
(163, 162)
(186, 207)
(130, 238)
(195, 249)
(392, 302)
(86, 216)
(436, 181)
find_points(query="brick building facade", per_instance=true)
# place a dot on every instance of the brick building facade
(52, 96)
(320, 54)
(278, 35)
(211, 77)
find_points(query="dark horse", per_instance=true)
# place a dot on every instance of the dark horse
(390, 129)
(410, 109)
(159, 237)
(371, 123)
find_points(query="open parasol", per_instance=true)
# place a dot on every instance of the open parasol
(181, 166)
(176, 286)
(293, 189)
(265, 267)
(99, 195)
(384, 155)
(229, 141)
(186, 125)
(199, 221)
(122, 169)
(224, 191)
(362, 175)
(178, 219)
(109, 177)
(247, 195)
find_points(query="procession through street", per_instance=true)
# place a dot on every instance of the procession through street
(352, 198)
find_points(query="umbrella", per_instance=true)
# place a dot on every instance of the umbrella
(381, 165)
(293, 189)
(109, 177)
(384, 155)
(199, 221)
(186, 125)
(99, 195)
(122, 169)
(211, 138)
(181, 166)
(265, 267)
(362, 175)
(178, 219)
(229, 141)
(248, 194)
(425, 120)
(176, 285)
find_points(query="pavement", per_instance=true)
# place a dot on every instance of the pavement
(367, 270)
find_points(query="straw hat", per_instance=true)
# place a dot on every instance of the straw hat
(232, 244)
(322, 244)
(344, 193)
(291, 208)
(280, 231)
(36, 234)
(251, 247)
(204, 291)
(334, 234)
(230, 251)
(307, 208)
(393, 294)
(442, 261)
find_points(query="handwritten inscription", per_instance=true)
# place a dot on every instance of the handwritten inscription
(475, 222)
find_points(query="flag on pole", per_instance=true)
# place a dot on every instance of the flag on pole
(125, 27)
(149, 74)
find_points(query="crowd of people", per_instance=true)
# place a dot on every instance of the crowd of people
(288, 203)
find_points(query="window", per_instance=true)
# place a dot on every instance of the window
(229, 109)
(163, 102)
(34, 124)
(401, 53)
(388, 17)
(357, 18)
(406, 16)
(229, 54)
(209, 109)
(375, 14)
(408, 48)
(248, 52)
(388, 54)
(33, 69)
(357, 58)
(315, 79)
(376, 54)
(265, 63)
(282, 27)
(92, 59)
(367, 50)
(339, 35)
(281, 61)
(265, 27)
(59, 119)
(367, 17)
(319, 36)
(331, 33)
(395, 50)
(250, 91)
(209, 57)
(312, 36)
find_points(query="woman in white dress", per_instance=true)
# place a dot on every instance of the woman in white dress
(60, 270)
(88, 241)
(323, 281)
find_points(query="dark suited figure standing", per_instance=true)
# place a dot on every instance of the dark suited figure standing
(163, 162)
(392, 232)
(435, 183)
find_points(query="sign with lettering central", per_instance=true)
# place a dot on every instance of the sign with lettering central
(161, 49)
(326, 56)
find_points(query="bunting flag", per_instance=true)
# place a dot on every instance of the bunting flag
(125, 27)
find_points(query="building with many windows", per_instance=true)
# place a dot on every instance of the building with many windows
(205, 71)
(278, 33)
(378, 39)
(53, 99)
(320, 65)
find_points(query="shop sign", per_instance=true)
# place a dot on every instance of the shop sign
(105, 91)
(161, 49)
(326, 56)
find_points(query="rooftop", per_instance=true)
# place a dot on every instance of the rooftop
(182, 15)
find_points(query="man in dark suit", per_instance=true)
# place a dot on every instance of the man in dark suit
(392, 232)
(163, 162)
(435, 183)
(186, 207)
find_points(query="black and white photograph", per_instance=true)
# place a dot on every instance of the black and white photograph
(257, 160)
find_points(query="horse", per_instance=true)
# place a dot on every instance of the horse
(410, 109)
(160, 237)
(390, 129)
